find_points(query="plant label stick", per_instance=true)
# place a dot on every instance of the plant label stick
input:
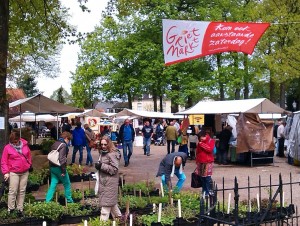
(85, 223)
(159, 212)
(44, 223)
(130, 220)
(162, 190)
(228, 207)
(179, 208)
(114, 223)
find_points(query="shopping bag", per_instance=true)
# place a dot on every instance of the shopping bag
(196, 181)
(53, 156)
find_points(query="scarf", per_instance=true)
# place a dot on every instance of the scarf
(18, 147)
(173, 168)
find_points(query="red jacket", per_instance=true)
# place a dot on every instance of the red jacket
(205, 149)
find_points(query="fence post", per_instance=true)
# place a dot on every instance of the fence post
(236, 201)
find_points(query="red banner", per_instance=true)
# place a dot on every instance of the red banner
(186, 40)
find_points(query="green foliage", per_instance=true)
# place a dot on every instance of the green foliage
(28, 84)
(76, 194)
(43, 210)
(135, 202)
(75, 209)
(62, 96)
(46, 145)
(76, 169)
(97, 222)
(9, 218)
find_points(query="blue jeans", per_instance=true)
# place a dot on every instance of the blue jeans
(184, 148)
(55, 178)
(127, 145)
(147, 142)
(173, 142)
(206, 185)
(181, 178)
(75, 149)
(89, 158)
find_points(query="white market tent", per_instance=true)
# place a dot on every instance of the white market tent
(146, 114)
(40, 104)
(259, 106)
(34, 118)
(94, 113)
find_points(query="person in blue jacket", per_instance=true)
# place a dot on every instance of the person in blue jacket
(78, 142)
(126, 137)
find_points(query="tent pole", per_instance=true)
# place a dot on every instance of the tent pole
(56, 126)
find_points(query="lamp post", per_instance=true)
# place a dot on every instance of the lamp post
(294, 104)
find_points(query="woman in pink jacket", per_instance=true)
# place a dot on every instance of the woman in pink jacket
(205, 160)
(15, 164)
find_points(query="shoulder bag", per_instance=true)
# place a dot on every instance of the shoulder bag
(196, 181)
(53, 156)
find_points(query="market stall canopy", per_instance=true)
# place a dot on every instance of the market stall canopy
(94, 113)
(259, 106)
(40, 104)
(34, 118)
(146, 114)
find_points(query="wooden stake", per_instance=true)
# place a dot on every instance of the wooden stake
(56, 197)
(140, 193)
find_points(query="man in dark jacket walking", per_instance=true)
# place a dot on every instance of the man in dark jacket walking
(126, 137)
(171, 165)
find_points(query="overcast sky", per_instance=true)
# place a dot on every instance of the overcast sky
(85, 22)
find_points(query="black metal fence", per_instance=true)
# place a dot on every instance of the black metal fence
(262, 209)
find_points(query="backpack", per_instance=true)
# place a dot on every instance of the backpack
(215, 148)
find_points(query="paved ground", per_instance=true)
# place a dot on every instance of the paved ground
(145, 167)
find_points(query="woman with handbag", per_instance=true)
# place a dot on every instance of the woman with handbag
(205, 161)
(90, 142)
(58, 172)
(108, 170)
(15, 165)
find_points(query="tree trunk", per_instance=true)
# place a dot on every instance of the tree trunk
(129, 100)
(246, 77)
(4, 17)
(154, 98)
(174, 104)
(272, 89)
(161, 103)
(282, 95)
(221, 84)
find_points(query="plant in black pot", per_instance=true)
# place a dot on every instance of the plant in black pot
(10, 218)
(50, 212)
(74, 213)
(46, 145)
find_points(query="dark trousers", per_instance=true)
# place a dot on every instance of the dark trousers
(173, 142)
(281, 147)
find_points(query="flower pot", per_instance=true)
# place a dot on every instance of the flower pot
(67, 219)
(75, 178)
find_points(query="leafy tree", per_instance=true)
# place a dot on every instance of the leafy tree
(28, 84)
(62, 96)
(31, 43)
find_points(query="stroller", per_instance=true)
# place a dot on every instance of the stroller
(160, 139)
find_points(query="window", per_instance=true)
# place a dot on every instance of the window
(139, 106)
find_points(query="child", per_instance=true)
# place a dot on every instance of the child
(193, 140)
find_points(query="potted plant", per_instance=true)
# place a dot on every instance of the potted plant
(13, 219)
(74, 213)
(46, 145)
(42, 211)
